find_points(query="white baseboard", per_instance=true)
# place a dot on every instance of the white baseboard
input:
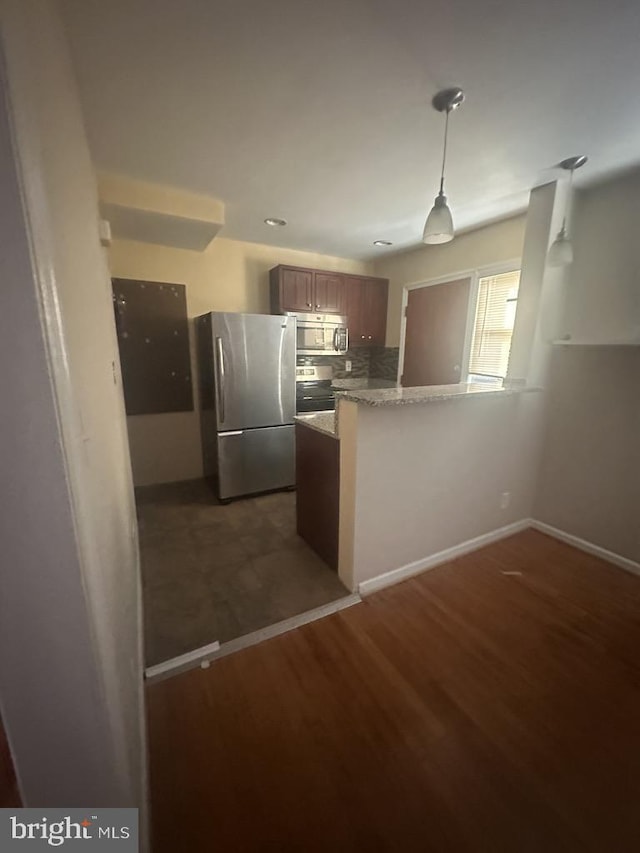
(411, 569)
(205, 654)
(589, 547)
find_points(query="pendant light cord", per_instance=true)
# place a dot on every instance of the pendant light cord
(568, 201)
(444, 151)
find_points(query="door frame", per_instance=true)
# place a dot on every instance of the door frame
(112, 740)
(475, 274)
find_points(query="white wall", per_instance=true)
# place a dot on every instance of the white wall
(419, 479)
(70, 641)
(589, 483)
(429, 477)
(229, 276)
(541, 294)
(590, 477)
(603, 293)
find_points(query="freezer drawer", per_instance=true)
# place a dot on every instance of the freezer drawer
(255, 460)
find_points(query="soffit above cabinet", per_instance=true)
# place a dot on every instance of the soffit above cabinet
(150, 213)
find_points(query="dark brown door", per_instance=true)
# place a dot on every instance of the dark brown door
(329, 293)
(296, 291)
(375, 311)
(354, 302)
(435, 332)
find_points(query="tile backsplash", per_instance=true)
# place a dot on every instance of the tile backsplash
(359, 359)
(383, 363)
(372, 362)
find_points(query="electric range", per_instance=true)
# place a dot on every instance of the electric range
(313, 389)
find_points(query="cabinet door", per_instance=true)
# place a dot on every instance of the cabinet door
(296, 291)
(328, 293)
(375, 311)
(354, 306)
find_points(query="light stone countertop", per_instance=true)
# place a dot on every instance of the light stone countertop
(361, 384)
(324, 422)
(399, 396)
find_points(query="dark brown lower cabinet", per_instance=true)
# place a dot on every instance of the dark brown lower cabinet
(318, 491)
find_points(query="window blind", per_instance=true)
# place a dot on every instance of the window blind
(493, 328)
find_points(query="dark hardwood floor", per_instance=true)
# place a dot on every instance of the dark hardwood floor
(463, 710)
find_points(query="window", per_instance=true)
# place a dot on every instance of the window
(493, 327)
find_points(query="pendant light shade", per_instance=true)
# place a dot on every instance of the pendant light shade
(439, 225)
(561, 251)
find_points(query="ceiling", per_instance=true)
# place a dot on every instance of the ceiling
(318, 111)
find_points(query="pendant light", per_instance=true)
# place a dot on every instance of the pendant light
(561, 251)
(439, 225)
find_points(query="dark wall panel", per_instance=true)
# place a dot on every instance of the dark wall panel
(153, 337)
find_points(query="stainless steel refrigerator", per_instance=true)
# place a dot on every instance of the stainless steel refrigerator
(247, 373)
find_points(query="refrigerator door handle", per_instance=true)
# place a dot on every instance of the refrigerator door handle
(221, 378)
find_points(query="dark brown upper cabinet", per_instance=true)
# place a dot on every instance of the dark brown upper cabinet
(366, 309)
(292, 289)
(296, 289)
(363, 299)
(328, 293)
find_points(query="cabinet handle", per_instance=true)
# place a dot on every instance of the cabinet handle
(309, 305)
(369, 337)
(318, 307)
(362, 337)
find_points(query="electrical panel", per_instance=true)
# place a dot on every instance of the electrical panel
(153, 339)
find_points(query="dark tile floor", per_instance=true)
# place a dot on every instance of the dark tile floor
(213, 572)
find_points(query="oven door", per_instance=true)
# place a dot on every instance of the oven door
(318, 338)
(315, 404)
(314, 397)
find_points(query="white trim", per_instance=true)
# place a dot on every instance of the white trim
(204, 654)
(475, 275)
(403, 331)
(588, 547)
(213, 651)
(415, 568)
(38, 225)
(472, 307)
(197, 655)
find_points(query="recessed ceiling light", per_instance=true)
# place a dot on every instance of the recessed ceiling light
(382, 243)
(276, 223)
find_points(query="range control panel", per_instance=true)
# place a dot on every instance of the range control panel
(309, 373)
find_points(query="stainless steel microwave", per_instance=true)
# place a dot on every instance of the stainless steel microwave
(321, 334)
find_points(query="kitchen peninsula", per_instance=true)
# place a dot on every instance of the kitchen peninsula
(414, 467)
